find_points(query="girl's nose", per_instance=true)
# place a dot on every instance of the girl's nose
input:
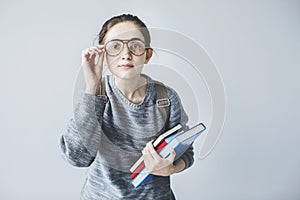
(126, 55)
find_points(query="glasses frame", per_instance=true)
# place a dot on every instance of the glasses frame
(126, 42)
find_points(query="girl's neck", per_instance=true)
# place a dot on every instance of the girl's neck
(133, 89)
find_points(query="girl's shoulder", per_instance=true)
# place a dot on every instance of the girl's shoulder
(157, 86)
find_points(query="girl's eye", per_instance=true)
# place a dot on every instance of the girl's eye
(116, 46)
(135, 46)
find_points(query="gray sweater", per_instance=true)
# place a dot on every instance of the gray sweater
(108, 136)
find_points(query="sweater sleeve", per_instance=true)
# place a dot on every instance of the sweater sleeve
(80, 139)
(178, 115)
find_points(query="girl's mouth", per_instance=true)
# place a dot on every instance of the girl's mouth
(126, 66)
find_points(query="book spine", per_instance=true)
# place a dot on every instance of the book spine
(141, 178)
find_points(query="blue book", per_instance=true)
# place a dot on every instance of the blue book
(180, 142)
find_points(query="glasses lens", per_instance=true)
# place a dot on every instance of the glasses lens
(114, 47)
(136, 47)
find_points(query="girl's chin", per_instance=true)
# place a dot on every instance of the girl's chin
(126, 75)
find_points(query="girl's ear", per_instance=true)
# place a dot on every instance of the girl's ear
(148, 55)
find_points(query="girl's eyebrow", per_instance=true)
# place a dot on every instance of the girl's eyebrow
(134, 38)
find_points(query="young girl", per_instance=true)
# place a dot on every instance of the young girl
(120, 115)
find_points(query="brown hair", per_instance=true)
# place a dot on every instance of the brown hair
(124, 18)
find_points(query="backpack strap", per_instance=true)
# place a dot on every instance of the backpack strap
(162, 101)
(103, 91)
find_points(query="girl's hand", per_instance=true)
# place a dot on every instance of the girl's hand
(92, 66)
(157, 165)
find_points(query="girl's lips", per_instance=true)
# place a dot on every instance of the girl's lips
(125, 66)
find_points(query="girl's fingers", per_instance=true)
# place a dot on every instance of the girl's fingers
(172, 155)
(92, 52)
(88, 52)
(85, 53)
(85, 56)
(92, 59)
(93, 56)
(100, 46)
(147, 153)
(96, 50)
(100, 60)
(152, 151)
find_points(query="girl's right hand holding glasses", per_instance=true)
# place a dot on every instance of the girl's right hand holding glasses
(92, 67)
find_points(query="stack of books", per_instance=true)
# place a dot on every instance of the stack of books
(172, 139)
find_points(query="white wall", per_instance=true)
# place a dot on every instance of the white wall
(255, 45)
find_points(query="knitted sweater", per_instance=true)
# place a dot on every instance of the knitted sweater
(108, 135)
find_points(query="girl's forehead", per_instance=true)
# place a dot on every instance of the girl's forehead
(124, 31)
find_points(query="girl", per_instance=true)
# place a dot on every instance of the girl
(119, 116)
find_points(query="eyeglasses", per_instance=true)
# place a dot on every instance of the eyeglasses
(135, 46)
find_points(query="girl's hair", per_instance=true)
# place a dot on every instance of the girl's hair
(124, 18)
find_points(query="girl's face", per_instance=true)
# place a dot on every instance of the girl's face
(126, 65)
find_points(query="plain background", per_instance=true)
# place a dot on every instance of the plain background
(255, 45)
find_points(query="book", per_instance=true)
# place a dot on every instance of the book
(158, 148)
(180, 143)
(156, 142)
